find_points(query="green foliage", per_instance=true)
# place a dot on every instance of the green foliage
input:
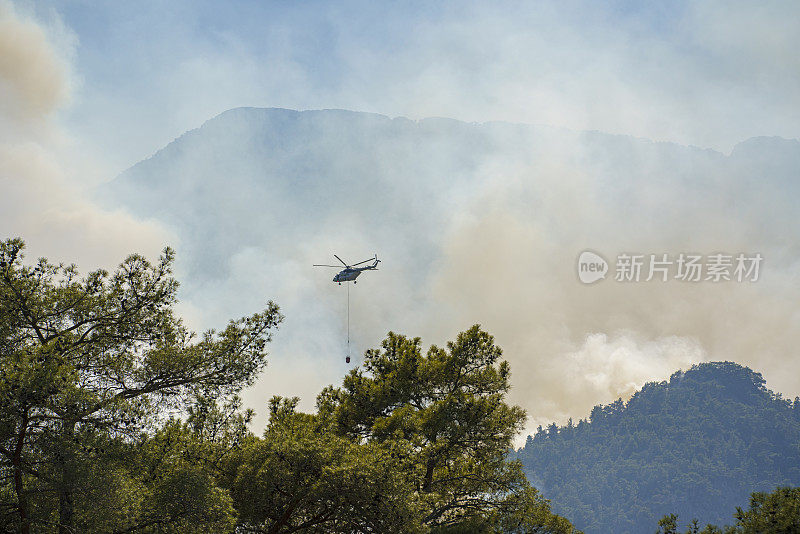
(696, 445)
(88, 363)
(777, 512)
(668, 524)
(443, 418)
(301, 476)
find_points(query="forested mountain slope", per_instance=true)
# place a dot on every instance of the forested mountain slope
(697, 446)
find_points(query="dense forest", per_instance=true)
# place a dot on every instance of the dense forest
(695, 446)
(115, 418)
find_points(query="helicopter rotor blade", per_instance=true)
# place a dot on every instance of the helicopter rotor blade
(359, 263)
(341, 260)
(318, 265)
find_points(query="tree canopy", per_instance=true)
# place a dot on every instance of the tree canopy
(95, 359)
(443, 418)
(777, 512)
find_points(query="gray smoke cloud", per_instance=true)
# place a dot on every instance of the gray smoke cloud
(475, 222)
(32, 79)
(479, 223)
(42, 201)
(572, 345)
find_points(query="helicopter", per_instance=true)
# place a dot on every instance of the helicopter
(351, 272)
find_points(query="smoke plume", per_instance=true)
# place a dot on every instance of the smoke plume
(41, 200)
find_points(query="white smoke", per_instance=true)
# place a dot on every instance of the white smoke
(41, 201)
(503, 251)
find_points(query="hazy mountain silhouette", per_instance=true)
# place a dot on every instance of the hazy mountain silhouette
(476, 223)
(242, 174)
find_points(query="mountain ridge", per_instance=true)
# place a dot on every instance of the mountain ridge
(385, 118)
(696, 445)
